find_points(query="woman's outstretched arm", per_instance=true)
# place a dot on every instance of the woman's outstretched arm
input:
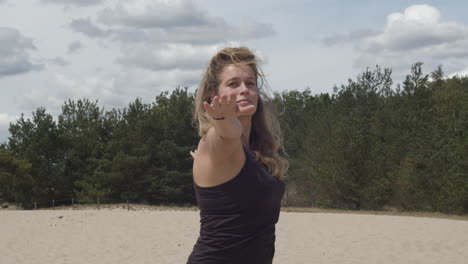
(224, 137)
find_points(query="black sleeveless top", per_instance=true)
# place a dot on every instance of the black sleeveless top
(238, 217)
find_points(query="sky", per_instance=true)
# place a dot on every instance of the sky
(115, 51)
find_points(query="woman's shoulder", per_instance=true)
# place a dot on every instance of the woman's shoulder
(218, 149)
(209, 169)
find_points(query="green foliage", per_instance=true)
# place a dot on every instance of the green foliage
(37, 141)
(16, 182)
(366, 146)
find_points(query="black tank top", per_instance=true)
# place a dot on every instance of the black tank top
(238, 217)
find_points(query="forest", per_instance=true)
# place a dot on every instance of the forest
(369, 145)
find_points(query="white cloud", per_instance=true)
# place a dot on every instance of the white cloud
(151, 83)
(5, 120)
(171, 56)
(419, 33)
(252, 29)
(85, 26)
(112, 91)
(197, 35)
(163, 38)
(419, 26)
(462, 73)
(59, 61)
(62, 88)
(346, 38)
(153, 13)
(74, 2)
(75, 46)
(14, 56)
(164, 42)
(159, 22)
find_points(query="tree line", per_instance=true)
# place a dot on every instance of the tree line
(367, 145)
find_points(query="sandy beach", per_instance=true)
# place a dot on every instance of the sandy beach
(167, 236)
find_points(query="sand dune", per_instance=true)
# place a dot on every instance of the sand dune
(148, 236)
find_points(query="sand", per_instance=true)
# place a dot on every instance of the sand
(148, 236)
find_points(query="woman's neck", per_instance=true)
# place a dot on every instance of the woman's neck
(246, 122)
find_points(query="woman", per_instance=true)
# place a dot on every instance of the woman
(237, 170)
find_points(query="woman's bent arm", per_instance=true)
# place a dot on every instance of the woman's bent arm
(222, 140)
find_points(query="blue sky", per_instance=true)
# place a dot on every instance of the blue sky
(116, 50)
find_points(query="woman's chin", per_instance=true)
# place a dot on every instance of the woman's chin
(247, 110)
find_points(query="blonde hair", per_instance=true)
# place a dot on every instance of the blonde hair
(265, 135)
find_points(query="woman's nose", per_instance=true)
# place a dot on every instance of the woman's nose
(243, 88)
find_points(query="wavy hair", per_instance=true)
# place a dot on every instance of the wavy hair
(265, 135)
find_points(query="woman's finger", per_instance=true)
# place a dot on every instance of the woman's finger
(216, 104)
(222, 100)
(232, 98)
(225, 98)
(208, 108)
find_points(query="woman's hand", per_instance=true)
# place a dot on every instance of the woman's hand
(223, 107)
(193, 153)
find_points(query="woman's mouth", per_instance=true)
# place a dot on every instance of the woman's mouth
(243, 101)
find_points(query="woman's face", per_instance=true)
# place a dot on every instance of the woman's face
(240, 80)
